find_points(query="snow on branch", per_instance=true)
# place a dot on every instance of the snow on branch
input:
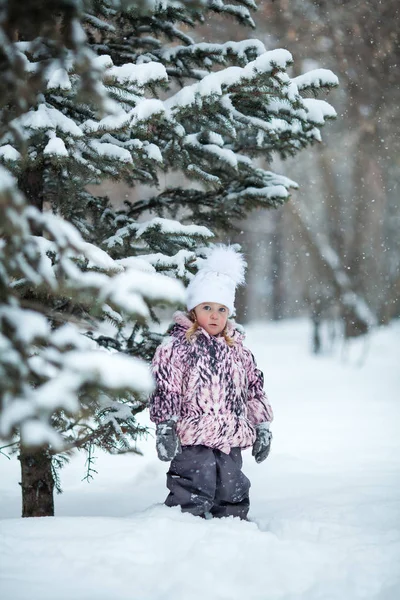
(224, 81)
(270, 192)
(137, 75)
(129, 290)
(28, 325)
(176, 264)
(122, 287)
(91, 119)
(59, 80)
(46, 118)
(240, 49)
(170, 226)
(317, 111)
(241, 13)
(317, 78)
(55, 147)
(74, 370)
(9, 153)
(222, 154)
(163, 226)
(110, 151)
(112, 371)
(63, 363)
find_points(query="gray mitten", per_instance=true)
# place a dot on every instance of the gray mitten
(262, 445)
(167, 440)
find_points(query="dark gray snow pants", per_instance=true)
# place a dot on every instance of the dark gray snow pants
(204, 480)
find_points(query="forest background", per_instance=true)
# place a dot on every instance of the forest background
(348, 185)
(347, 201)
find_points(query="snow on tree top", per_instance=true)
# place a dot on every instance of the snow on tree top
(45, 267)
(155, 6)
(216, 138)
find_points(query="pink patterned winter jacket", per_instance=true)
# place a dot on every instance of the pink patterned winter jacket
(213, 391)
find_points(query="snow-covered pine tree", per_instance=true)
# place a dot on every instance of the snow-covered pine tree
(89, 116)
(58, 390)
(237, 104)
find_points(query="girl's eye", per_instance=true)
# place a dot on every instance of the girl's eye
(206, 307)
(222, 309)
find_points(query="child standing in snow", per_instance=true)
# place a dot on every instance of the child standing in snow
(209, 401)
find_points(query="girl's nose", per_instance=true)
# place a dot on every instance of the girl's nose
(214, 315)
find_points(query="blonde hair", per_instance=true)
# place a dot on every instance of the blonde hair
(190, 333)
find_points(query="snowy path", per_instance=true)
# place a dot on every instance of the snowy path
(325, 505)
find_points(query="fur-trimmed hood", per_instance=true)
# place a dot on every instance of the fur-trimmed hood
(182, 323)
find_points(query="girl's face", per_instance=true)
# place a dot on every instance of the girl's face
(212, 317)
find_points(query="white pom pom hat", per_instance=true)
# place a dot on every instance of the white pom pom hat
(217, 278)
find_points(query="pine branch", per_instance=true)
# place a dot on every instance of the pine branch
(90, 470)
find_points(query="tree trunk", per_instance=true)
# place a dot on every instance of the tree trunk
(334, 205)
(277, 266)
(31, 184)
(37, 483)
(369, 206)
(355, 312)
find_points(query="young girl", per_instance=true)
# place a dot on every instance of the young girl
(209, 401)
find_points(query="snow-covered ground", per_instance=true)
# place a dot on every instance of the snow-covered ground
(325, 505)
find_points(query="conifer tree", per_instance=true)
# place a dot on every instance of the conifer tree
(58, 391)
(91, 110)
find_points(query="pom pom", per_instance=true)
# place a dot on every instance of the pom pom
(226, 261)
